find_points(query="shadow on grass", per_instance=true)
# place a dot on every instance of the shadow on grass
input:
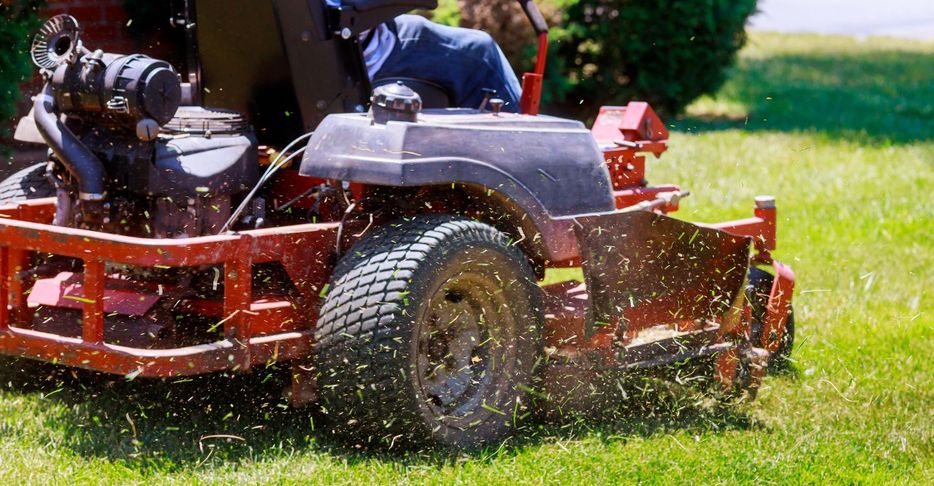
(867, 96)
(180, 424)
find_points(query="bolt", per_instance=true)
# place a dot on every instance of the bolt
(496, 105)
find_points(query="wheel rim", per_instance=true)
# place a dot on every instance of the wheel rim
(460, 354)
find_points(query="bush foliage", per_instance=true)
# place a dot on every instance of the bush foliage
(18, 25)
(667, 52)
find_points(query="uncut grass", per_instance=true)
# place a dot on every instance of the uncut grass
(841, 131)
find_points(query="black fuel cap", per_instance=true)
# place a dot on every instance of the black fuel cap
(395, 102)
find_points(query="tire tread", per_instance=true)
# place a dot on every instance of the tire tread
(360, 340)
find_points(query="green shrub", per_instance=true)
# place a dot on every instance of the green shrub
(18, 23)
(666, 52)
(447, 13)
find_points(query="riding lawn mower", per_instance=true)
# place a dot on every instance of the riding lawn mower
(267, 203)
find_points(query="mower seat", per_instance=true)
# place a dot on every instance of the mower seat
(433, 95)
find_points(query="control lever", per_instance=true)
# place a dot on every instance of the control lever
(488, 94)
(663, 199)
(535, 16)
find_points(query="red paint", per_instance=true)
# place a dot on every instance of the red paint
(626, 168)
(67, 290)
(531, 99)
(636, 123)
(630, 197)
(254, 330)
(776, 315)
(542, 56)
(761, 228)
(258, 328)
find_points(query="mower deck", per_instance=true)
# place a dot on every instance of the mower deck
(638, 348)
(254, 329)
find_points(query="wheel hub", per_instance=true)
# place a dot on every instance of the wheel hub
(452, 360)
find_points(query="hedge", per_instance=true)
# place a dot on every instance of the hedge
(19, 23)
(667, 52)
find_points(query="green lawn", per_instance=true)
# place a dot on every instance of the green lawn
(841, 131)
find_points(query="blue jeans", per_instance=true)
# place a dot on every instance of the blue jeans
(463, 61)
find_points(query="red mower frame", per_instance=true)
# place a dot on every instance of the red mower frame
(261, 328)
(249, 325)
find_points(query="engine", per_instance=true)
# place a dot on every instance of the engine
(128, 158)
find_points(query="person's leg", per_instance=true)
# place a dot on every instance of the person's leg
(463, 61)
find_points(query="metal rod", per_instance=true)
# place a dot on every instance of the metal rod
(93, 322)
(663, 199)
(4, 288)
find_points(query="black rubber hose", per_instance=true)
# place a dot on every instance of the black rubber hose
(74, 155)
(535, 16)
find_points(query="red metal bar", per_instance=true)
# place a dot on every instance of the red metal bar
(37, 210)
(238, 294)
(761, 227)
(783, 287)
(531, 98)
(191, 360)
(530, 102)
(4, 288)
(93, 314)
(147, 252)
(78, 243)
(633, 196)
(305, 246)
(542, 57)
(18, 286)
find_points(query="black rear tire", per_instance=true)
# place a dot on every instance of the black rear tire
(28, 183)
(757, 293)
(428, 336)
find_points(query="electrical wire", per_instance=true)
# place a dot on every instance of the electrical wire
(265, 178)
(273, 167)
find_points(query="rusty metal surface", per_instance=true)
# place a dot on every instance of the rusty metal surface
(640, 259)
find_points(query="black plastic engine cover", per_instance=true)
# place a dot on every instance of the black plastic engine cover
(191, 166)
(550, 167)
(184, 165)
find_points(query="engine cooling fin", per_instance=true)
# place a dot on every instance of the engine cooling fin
(56, 42)
(195, 120)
